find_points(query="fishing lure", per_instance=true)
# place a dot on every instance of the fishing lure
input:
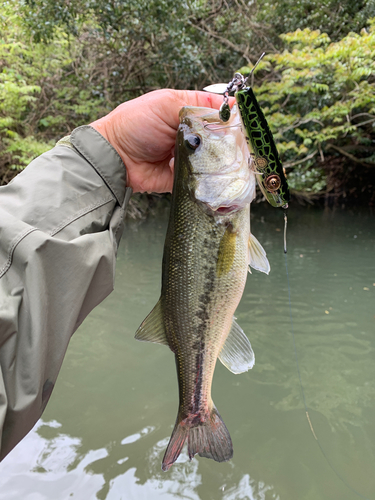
(266, 161)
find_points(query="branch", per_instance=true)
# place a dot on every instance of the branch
(362, 114)
(361, 161)
(298, 123)
(228, 43)
(298, 162)
(364, 123)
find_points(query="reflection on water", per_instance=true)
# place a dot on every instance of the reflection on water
(248, 489)
(110, 417)
(53, 468)
(40, 468)
(134, 437)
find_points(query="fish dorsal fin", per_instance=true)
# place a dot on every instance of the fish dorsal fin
(152, 328)
(257, 255)
(236, 353)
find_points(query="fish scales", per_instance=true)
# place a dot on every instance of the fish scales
(207, 252)
(197, 312)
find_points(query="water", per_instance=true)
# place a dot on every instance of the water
(104, 432)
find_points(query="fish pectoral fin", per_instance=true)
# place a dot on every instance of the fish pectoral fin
(152, 328)
(236, 353)
(257, 256)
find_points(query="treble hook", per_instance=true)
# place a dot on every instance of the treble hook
(238, 82)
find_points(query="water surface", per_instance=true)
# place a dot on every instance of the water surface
(106, 427)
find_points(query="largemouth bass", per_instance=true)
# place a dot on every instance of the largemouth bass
(207, 253)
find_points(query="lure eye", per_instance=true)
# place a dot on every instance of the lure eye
(193, 141)
(273, 183)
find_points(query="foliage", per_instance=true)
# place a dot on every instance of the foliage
(335, 17)
(64, 64)
(146, 44)
(43, 91)
(319, 98)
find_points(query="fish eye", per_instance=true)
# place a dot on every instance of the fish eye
(193, 141)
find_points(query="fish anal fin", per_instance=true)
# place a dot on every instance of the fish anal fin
(236, 353)
(257, 256)
(152, 329)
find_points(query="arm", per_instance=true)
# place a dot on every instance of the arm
(61, 220)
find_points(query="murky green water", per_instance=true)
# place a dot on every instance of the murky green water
(109, 419)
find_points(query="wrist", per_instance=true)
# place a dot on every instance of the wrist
(100, 126)
(105, 128)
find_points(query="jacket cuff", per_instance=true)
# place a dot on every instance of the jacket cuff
(103, 157)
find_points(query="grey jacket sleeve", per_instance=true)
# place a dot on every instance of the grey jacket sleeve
(61, 221)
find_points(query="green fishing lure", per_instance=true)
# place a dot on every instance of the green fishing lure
(270, 174)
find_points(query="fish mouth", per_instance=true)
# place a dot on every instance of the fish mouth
(227, 210)
(222, 211)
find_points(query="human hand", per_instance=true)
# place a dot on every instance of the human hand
(143, 132)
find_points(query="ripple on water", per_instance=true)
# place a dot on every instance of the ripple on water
(109, 419)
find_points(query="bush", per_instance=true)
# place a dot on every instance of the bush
(319, 98)
(63, 65)
(45, 91)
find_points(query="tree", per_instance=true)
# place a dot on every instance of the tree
(337, 18)
(319, 97)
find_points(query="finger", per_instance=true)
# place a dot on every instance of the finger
(167, 103)
(202, 99)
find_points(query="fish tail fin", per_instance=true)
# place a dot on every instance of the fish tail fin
(177, 441)
(209, 439)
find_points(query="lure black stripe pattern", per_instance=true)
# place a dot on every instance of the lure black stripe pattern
(271, 178)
